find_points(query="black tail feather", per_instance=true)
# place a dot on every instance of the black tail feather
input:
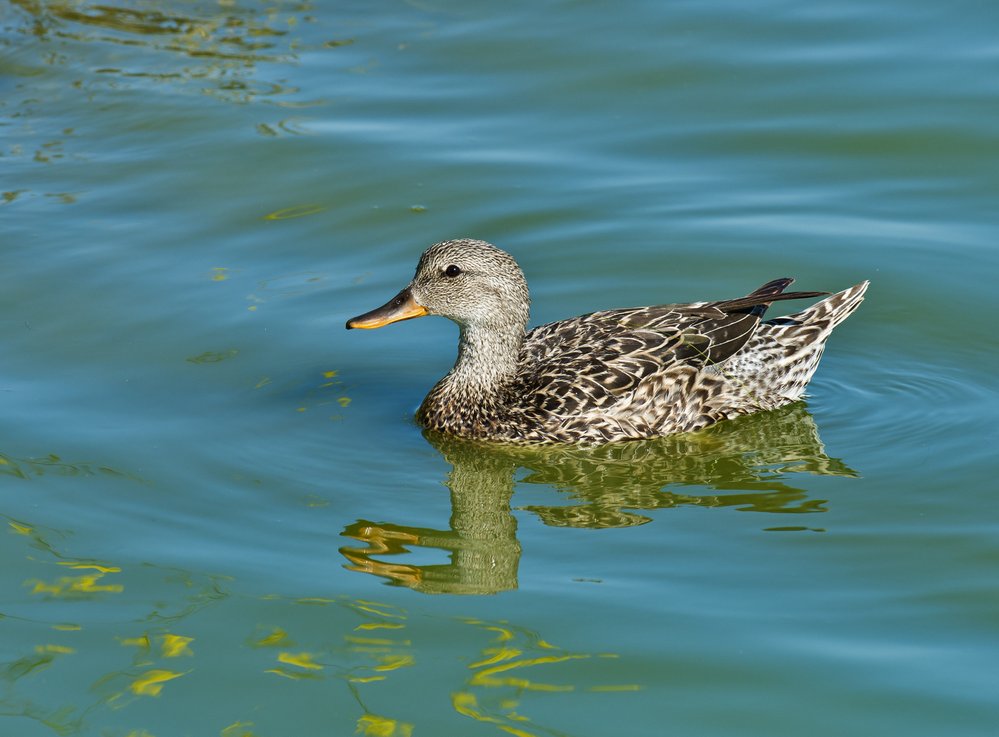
(773, 287)
(756, 302)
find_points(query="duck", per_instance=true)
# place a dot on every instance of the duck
(614, 375)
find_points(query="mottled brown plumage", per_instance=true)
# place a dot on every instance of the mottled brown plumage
(614, 375)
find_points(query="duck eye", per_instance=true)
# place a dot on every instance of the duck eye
(452, 271)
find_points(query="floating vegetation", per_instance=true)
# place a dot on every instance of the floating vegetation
(373, 725)
(151, 682)
(296, 211)
(510, 667)
(174, 646)
(236, 52)
(302, 660)
(224, 33)
(277, 637)
(54, 465)
(85, 586)
(214, 356)
(363, 649)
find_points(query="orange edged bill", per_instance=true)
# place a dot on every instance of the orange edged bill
(401, 307)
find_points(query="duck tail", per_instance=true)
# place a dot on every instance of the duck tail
(830, 312)
(791, 348)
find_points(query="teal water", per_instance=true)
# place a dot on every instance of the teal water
(219, 517)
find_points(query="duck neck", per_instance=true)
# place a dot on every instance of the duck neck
(470, 400)
(487, 358)
(474, 398)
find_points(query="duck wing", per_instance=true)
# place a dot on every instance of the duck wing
(710, 332)
(590, 362)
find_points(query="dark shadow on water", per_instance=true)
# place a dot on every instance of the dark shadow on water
(752, 464)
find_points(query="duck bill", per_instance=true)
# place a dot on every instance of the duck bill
(401, 307)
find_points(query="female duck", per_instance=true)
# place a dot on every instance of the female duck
(614, 375)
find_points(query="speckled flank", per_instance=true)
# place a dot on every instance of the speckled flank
(615, 375)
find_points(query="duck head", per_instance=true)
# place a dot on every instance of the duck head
(470, 282)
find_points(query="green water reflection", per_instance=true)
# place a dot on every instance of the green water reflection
(754, 464)
(54, 465)
(223, 50)
(222, 31)
(97, 647)
(193, 194)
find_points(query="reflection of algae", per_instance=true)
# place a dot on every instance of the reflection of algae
(293, 674)
(220, 37)
(151, 682)
(319, 391)
(84, 586)
(57, 649)
(144, 679)
(214, 356)
(296, 211)
(142, 641)
(528, 651)
(75, 586)
(52, 464)
(174, 646)
(302, 660)
(28, 665)
(372, 725)
(394, 662)
(492, 694)
(39, 539)
(89, 566)
(488, 676)
(19, 528)
(276, 637)
(219, 49)
(379, 626)
(237, 729)
(508, 663)
(362, 660)
(376, 645)
(376, 608)
(170, 645)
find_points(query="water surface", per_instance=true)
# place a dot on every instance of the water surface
(219, 515)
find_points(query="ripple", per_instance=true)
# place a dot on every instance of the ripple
(913, 406)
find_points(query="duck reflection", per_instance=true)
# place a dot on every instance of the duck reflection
(750, 463)
(482, 534)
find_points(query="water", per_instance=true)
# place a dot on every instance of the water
(219, 515)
